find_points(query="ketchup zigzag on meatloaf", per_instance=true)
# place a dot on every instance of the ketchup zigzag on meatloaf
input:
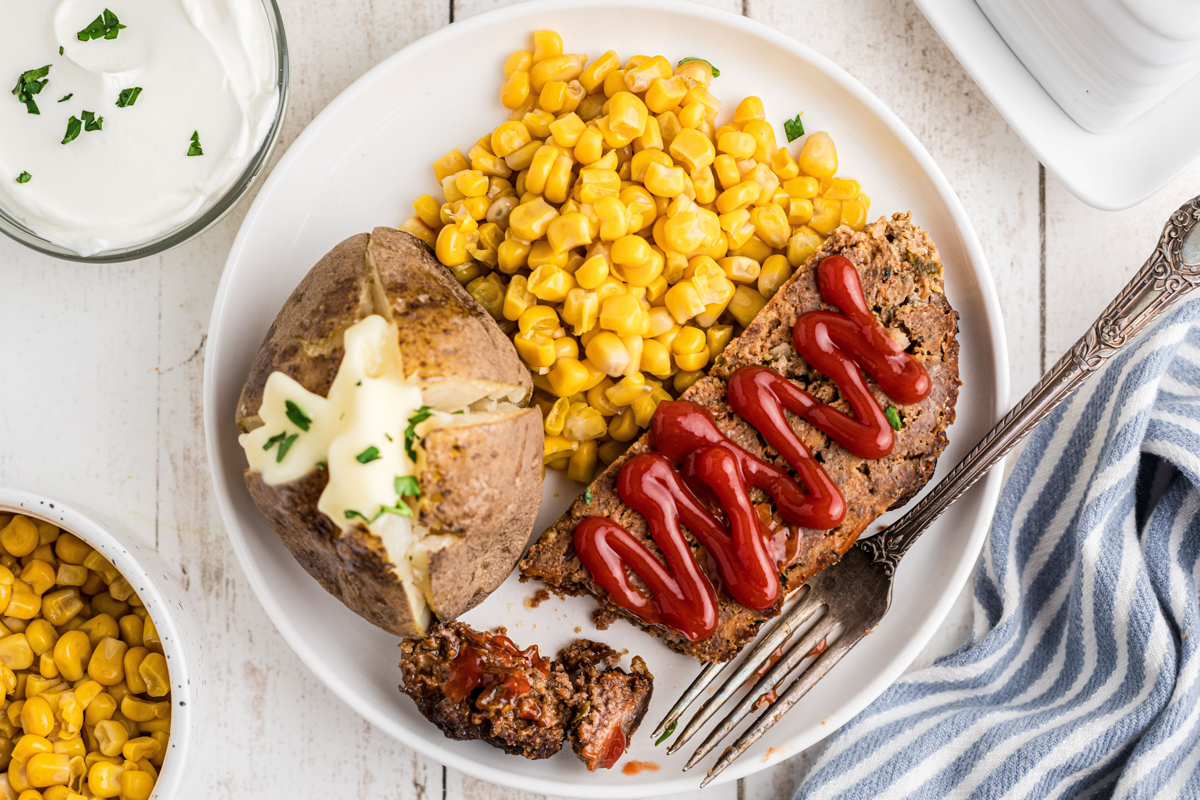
(901, 275)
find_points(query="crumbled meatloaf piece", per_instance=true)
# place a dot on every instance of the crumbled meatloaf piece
(612, 701)
(476, 685)
(901, 274)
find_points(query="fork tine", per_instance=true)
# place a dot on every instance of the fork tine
(706, 676)
(805, 681)
(778, 634)
(797, 653)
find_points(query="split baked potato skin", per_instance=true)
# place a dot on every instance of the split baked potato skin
(480, 483)
(444, 332)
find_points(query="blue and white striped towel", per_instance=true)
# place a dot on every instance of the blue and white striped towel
(1082, 675)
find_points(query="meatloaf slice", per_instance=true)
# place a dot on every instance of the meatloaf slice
(901, 274)
(476, 685)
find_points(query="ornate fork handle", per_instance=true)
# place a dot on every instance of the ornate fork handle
(1171, 272)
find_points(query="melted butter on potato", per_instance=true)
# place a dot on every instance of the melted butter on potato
(357, 431)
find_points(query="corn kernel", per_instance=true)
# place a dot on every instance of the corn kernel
(627, 114)
(535, 349)
(827, 215)
(447, 165)
(623, 315)
(608, 353)
(754, 248)
(143, 747)
(567, 129)
(529, 221)
(656, 358)
(818, 157)
(15, 652)
(567, 231)
(136, 785)
(545, 45)
(20, 536)
(555, 68)
(746, 303)
(683, 301)
(719, 337)
(644, 407)
(30, 745)
(37, 717)
(48, 769)
(771, 225)
(515, 90)
(104, 779)
(102, 707)
(640, 77)
(569, 376)
(775, 272)
(107, 664)
(693, 149)
(519, 61)
(623, 427)
(664, 181)
(593, 76)
(72, 652)
(854, 215)
(582, 466)
(738, 196)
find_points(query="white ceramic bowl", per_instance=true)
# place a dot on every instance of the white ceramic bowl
(164, 599)
(361, 162)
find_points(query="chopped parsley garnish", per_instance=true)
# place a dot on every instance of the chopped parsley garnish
(60, 50)
(66, 97)
(715, 72)
(30, 83)
(461, 411)
(105, 26)
(24, 177)
(401, 509)
(128, 96)
(794, 128)
(670, 729)
(368, 455)
(407, 486)
(284, 441)
(74, 126)
(195, 149)
(587, 496)
(893, 417)
(298, 417)
(91, 122)
(410, 433)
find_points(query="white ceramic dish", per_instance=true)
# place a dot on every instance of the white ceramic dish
(164, 599)
(1110, 171)
(1105, 62)
(360, 163)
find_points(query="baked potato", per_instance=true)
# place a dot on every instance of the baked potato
(389, 442)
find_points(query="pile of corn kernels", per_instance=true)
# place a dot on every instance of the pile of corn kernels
(623, 238)
(87, 707)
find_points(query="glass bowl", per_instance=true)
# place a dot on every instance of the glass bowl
(210, 214)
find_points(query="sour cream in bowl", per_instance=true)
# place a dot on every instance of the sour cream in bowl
(133, 125)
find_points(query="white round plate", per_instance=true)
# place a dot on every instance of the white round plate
(362, 161)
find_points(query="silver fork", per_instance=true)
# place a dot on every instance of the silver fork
(856, 592)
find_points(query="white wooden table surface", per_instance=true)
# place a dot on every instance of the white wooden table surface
(101, 368)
